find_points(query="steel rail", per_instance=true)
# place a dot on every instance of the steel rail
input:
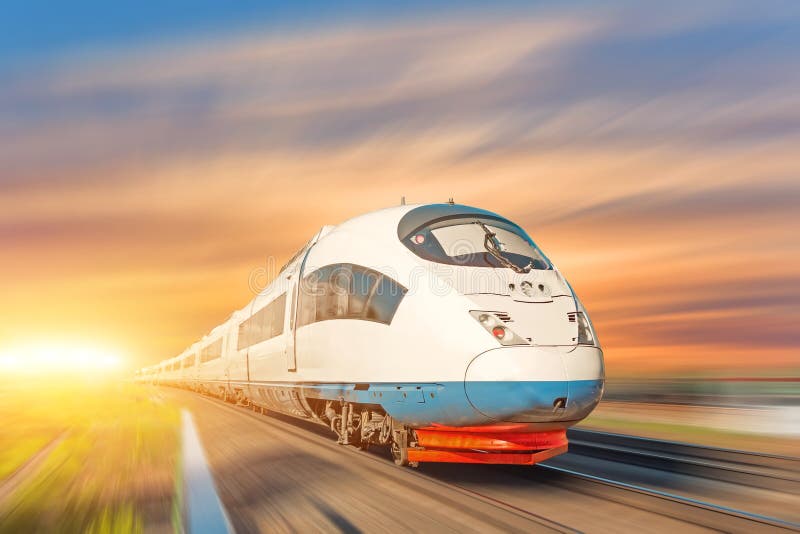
(696, 503)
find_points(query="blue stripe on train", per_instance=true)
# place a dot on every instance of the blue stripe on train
(469, 403)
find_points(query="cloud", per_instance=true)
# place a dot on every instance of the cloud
(649, 150)
(674, 206)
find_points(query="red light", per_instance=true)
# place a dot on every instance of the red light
(499, 332)
(419, 239)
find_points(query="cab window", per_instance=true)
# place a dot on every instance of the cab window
(464, 236)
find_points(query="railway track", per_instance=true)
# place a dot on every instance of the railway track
(486, 484)
(381, 465)
(688, 509)
(781, 473)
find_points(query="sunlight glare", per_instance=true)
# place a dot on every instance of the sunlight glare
(59, 358)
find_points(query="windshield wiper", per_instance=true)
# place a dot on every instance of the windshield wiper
(492, 246)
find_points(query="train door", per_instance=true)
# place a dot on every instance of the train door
(291, 315)
(295, 278)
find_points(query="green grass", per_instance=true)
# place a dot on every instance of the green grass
(113, 471)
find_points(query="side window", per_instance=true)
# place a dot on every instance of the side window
(332, 292)
(264, 324)
(361, 284)
(308, 302)
(346, 291)
(211, 352)
(278, 315)
(385, 299)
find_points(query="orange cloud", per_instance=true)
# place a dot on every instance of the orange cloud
(141, 188)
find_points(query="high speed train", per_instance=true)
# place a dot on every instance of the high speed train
(439, 330)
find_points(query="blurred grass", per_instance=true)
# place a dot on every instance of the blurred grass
(26, 428)
(114, 471)
(690, 433)
(177, 501)
(15, 451)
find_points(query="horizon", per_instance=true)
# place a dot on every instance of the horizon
(150, 169)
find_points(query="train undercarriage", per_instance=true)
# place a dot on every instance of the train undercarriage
(366, 425)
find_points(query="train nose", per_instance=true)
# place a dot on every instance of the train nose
(534, 385)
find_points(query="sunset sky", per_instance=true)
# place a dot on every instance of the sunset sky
(153, 157)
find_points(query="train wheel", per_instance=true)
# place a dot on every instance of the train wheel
(399, 448)
(240, 399)
(400, 454)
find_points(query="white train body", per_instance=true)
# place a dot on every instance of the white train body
(442, 327)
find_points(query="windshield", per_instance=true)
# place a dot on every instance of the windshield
(476, 242)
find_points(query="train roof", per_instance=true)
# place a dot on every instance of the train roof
(426, 214)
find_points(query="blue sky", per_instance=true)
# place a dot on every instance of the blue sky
(37, 29)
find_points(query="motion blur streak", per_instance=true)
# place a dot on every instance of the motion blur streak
(650, 149)
(86, 456)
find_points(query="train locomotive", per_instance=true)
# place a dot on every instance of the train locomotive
(440, 331)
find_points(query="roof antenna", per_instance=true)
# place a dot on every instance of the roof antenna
(403, 200)
(450, 201)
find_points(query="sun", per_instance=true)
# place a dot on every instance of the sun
(53, 357)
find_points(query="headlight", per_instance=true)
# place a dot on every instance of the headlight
(498, 329)
(585, 334)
